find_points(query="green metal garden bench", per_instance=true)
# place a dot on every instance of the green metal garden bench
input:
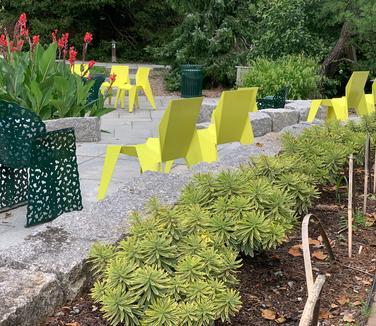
(37, 168)
(274, 102)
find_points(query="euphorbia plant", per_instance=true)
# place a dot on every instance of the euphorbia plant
(33, 79)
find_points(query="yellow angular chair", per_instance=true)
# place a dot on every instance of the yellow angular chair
(143, 84)
(229, 123)
(122, 78)
(176, 131)
(338, 108)
(76, 69)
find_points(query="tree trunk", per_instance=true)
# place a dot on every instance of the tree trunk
(338, 49)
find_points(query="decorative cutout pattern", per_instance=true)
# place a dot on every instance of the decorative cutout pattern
(13, 188)
(47, 159)
(54, 186)
(18, 127)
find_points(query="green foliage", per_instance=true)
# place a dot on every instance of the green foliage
(286, 27)
(297, 72)
(212, 33)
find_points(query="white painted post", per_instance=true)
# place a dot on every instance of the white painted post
(350, 204)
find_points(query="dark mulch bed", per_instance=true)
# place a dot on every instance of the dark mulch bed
(273, 283)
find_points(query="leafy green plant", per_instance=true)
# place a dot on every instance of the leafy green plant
(297, 72)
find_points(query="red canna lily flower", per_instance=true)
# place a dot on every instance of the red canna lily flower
(72, 55)
(112, 78)
(91, 64)
(35, 41)
(25, 32)
(54, 37)
(22, 20)
(61, 43)
(20, 44)
(88, 38)
(3, 41)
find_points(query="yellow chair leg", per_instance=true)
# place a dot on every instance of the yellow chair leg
(149, 94)
(122, 98)
(112, 156)
(313, 110)
(118, 94)
(168, 166)
(132, 98)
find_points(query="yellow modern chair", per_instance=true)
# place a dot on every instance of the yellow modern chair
(122, 78)
(338, 108)
(229, 123)
(142, 83)
(76, 69)
(176, 131)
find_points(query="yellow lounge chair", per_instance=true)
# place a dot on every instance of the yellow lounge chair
(122, 78)
(176, 131)
(142, 83)
(76, 69)
(338, 108)
(230, 123)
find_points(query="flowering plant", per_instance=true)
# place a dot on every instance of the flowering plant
(31, 77)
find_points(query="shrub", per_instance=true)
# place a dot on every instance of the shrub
(169, 271)
(297, 72)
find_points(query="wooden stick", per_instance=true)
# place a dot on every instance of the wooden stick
(366, 173)
(350, 204)
(312, 305)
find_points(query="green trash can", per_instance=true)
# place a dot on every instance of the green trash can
(191, 80)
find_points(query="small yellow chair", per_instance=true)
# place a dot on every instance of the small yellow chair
(76, 69)
(142, 83)
(176, 131)
(229, 123)
(122, 78)
(338, 108)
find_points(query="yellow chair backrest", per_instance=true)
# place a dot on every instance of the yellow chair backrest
(142, 75)
(122, 75)
(374, 90)
(252, 104)
(231, 114)
(77, 69)
(355, 88)
(177, 127)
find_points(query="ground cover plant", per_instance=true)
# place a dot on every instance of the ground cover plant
(248, 210)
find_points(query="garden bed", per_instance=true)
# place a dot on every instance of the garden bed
(272, 285)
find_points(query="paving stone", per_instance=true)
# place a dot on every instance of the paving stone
(86, 129)
(27, 296)
(282, 118)
(261, 123)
